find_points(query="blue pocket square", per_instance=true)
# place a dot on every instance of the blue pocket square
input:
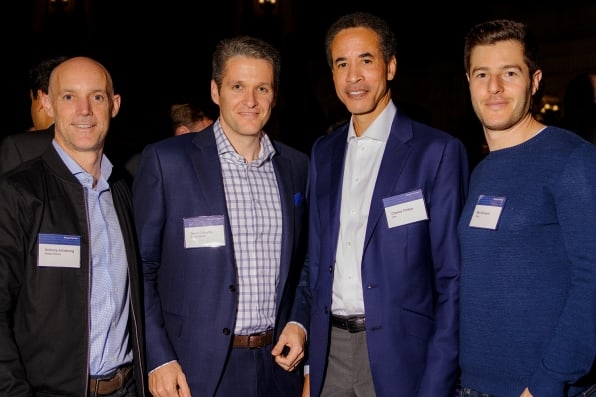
(298, 199)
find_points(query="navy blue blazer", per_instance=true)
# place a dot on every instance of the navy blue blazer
(410, 273)
(191, 294)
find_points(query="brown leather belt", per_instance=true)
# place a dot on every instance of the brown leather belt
(352, 324)
(103, 387)
(254, 341)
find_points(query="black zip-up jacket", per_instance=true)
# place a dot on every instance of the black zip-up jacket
(44, 311)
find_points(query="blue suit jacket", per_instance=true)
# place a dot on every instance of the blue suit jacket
(410, 273)
(191, 294)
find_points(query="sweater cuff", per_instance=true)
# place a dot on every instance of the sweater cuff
(542, 384)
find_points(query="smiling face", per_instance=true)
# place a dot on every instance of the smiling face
(360, 73)
(500, 84)
(246, 96)
(82, 102)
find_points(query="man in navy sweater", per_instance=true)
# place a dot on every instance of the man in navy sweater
(527, 233)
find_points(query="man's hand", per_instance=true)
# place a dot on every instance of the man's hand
(168, 381)
(289, 349)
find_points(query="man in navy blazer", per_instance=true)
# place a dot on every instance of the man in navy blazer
(383, 264)
(221, 221)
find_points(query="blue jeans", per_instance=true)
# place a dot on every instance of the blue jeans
(467, 392)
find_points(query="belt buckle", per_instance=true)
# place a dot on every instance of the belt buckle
(259, 340)
(355, 324)
(254, 341)
(107, 386)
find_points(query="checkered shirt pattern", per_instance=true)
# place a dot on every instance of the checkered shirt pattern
(254, 208)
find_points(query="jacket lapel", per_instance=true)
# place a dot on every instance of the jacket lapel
(394, 159)
(285, 185)
(207, 169)
(332, 176)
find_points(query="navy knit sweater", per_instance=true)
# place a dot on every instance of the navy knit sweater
(528, 288)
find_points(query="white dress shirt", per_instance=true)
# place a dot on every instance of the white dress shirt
(363, 159)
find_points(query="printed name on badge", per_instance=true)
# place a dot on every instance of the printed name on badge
(405, 208)
(204, 231)
(59, 250)
(487, 212)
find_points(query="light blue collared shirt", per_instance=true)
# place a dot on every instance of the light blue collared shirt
(108, 335)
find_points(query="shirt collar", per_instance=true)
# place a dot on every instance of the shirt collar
(224, 146)
(380, 127)
(78, 171)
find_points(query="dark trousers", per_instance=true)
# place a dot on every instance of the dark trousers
(254, 373)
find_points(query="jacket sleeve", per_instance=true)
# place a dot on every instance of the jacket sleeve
(13, 380)
(571, 352)
(149, 215)
(448, 197)
(10, 157)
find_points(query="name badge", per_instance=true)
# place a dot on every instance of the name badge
(204, 231)
(59, 250)
(405, 208)
(487, 212)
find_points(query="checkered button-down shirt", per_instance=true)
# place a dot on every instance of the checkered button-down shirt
(254, 208)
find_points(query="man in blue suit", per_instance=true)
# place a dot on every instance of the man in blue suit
(220, 216)
(383, 262)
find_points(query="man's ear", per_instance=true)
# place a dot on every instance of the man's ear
(38, 100)
(392, 68)
(214, 92)
(47, 104)
(116, 101)
(536, 78)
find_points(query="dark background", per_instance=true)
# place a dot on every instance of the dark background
(160, 52)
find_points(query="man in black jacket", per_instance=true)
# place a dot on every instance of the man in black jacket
(70, 298)
(39, 80)
(22, 146)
